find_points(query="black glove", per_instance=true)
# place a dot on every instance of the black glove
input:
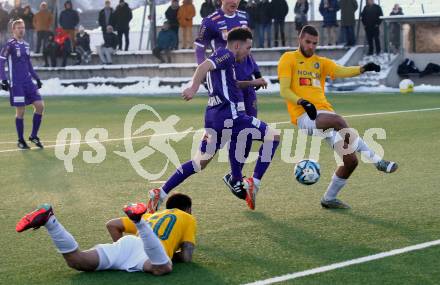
(257, 75)
(371, 66)
(309, 107)
(39, 84)
(5, 85)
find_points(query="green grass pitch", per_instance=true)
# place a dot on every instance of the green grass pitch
(288, 232)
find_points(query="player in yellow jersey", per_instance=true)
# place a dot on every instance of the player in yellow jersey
(175, 227)
(146, 252)
(302, 77)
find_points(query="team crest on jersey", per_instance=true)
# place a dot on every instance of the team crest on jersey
(316, 65)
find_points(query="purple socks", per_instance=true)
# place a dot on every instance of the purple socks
(187, 169)
(36, 122)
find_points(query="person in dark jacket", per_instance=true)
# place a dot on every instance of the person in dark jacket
(207, 8)
(251, 10)
(301, 10)
(166, 41)
(106, 17)
(83, 51)
(109, 46)
(348, 8)
(328, 10)
(123, 16)
(242, 5)
(394, 31)
(370, 17)
(4, 20)
(171, 15)
(17, 12)
(28, 18)
(279, 10)
(69, 20)
(264, 24)
(50, 50)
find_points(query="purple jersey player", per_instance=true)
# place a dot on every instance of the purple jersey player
(19, 83)
(213, 32)
(225, 121)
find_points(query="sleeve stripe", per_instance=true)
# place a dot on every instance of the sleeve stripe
(210, 60)
(199, 44)
(2, 57)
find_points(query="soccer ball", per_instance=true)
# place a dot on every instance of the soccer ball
(406, 86)
(307, 172)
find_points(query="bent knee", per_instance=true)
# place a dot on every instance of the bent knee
(351, 162)
(162, 269)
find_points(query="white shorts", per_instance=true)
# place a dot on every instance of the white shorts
(308, 126)
(126, 254)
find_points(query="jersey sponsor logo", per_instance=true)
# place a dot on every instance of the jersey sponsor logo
(214, 101)
(305, 81)
(309, 73)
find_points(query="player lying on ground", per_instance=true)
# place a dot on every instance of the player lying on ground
(160, 236)
(213, 34)
(22, 90)
(225, 120)
(302, 77)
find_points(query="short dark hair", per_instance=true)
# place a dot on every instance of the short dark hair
(179, 201)
(239, 34)
(307, 29)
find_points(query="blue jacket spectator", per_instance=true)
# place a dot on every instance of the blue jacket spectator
(166, 41)
(69, 18)
(328, 10)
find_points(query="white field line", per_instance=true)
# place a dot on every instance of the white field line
(346, 263)
(193, 131)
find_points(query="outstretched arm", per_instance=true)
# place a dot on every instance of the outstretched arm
(347, 71)
(197, 79)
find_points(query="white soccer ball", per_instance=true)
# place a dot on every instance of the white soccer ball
(307, 172)
(406, 86)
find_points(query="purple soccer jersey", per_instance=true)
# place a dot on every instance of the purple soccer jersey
(213, 34)
(20, 73)
(225, 98)
(214, 30)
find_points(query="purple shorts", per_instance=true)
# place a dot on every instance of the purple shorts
(23, 94)
(243, 128)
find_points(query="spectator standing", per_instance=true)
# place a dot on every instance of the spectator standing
(242, 5)
(43, 21)
(106, 16)
(264, 25)
(50, 50)
(185, 17)
(16, 13)
(69, 20)
(301, 10)
(171, 15)
(83, 51)
(280, 10)
(370, 17)
(207, 8)
(123, 16)
(394, 31)
(4, 20)
(328, 10)
(109, 46)
(28, 18)
(166, 41)
(348, 8)
(251, 10)
(64, 44)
